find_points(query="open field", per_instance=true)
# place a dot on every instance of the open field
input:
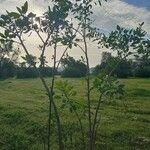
(125, 124)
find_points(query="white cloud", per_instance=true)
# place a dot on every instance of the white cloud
(37, 6)
(118, 12)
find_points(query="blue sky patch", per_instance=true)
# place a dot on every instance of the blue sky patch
(139, 3)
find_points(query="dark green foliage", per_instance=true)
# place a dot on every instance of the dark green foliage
(29, 60)
(73, 68)
(47, 71)
(96, 70)
(23, 72)
(126, 42)
(108, 85)
(72, 72)
(110, 64)
(8, 59)
(7, 68)
(123, 70)
(143, 72)
(142, 67)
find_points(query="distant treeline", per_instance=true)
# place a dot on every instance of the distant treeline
(8, 69)
(123, 68)
(77, 68)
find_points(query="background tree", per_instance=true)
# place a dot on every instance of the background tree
(142, 61)
(8, 59)
(73, 68)
(123, 69)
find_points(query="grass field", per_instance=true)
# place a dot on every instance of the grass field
(125, 125)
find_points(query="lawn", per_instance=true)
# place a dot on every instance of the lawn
(125, 124)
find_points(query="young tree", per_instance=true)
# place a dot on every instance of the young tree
(57, 29)
(54, 25)
(125, 42)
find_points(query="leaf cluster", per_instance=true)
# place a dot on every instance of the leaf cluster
(125, 41)
(107, 85)
(67, 93)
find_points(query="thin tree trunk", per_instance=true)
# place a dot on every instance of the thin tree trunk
(88, 88)
(95, 119)
(52, 91)
(80, 122)
(50, 96)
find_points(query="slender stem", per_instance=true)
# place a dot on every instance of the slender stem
(50, 96)
(40, 36)
(52, 91)
(81, 48)
(62, 57)
(96, 128)
(50, 103)
(95, 119)
(49, 124)
(77, 30)
(78, 117)
(43, 50)
(88, 87)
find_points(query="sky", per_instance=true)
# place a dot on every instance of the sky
(126, 13)
(139, 3)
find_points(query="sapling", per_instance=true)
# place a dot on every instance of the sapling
(54, 28)
(20, 23)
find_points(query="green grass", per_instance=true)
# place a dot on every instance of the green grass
(125, 125)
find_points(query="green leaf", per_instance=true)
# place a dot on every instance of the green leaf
(2, 40)
(12, 35)
(75, 44)
(118, 27)
(19, 10)
(25, 7)
(70, 46)
(7, 33)
(14, 15)
(31, 15)
(4, 17)
(1, 35)
(2, 23)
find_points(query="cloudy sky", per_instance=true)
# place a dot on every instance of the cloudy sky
(127, 13)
